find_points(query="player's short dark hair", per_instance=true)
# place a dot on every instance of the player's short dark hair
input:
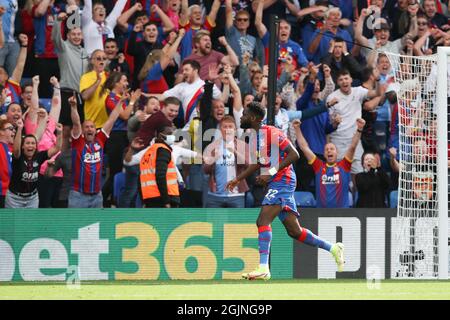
(172, 100)
(342, 72)
(194, 64)
(256, 109)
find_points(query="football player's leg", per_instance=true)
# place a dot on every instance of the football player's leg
(304, 235)
(265, 218)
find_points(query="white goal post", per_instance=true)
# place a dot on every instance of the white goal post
(420, 238)
(442, 157)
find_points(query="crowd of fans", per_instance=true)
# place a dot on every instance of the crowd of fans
(88, 87)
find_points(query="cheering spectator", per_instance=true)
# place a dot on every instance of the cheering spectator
(96, 26)
(332, 177)
(207, 57)
(73, 62)
(91, 89)
(151, 75)
(237, 35)
(224, 160)
(286, 45)
(26, 163)
(116, 59)
(372, 184)
(311, 19)
(88, 156)
(349, 108)
(436, 18)
(7, 131)
(339, 58)
(189, 92)
(117, 86)
(192, 21)
(320, 44)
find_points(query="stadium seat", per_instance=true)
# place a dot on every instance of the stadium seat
(305, 199)
(138, 203)
(393, 199)
(119, 184)
(46, 103)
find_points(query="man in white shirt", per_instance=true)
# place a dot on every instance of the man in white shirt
(349, 108)
(189, 92)
(96, 26)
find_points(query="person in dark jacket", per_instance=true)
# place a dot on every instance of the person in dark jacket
(372, 184)
(339, 58)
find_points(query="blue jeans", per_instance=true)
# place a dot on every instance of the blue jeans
(81, 200)
(130, 191)
(8, 56)
(213, 201)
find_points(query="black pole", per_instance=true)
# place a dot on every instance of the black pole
(273, 60)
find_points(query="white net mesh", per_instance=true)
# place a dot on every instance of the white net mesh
(415, 237)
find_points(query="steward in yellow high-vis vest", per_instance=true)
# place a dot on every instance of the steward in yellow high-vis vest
(158, 175)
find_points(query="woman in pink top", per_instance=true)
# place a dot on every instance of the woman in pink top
(43, 125)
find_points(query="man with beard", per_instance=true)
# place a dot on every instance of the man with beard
(276, 152)
(207, 57)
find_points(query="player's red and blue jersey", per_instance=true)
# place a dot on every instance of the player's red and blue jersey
(110, 102)
(154, 82)
(332, 183)
(187, 43)
(291, 48)
(43, 44)
(5, 167)
(271, 149)
(87, 161)
(272, 146)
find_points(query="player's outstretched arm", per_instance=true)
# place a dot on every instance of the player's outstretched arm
(360, 123)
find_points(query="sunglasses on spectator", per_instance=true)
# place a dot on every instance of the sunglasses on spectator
(100, 58)
(242, 19)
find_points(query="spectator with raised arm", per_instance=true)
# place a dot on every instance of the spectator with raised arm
(116, 59)
(320, 43)
(332, 176)
(7, 132)
(96, 26)
(11, 82)
(73, 63)
(237, 35)
(26, 163)
(87, 157)
(191, 20)
(286, 46)
(151, 77)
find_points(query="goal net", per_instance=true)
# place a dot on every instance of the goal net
(416, 232)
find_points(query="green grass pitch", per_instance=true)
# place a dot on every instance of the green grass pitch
(232, 290)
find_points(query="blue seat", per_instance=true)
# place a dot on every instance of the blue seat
(138, 203)
(46, 103)
(305, 199)
(249, 200)
(119, 184)
(393, 199)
